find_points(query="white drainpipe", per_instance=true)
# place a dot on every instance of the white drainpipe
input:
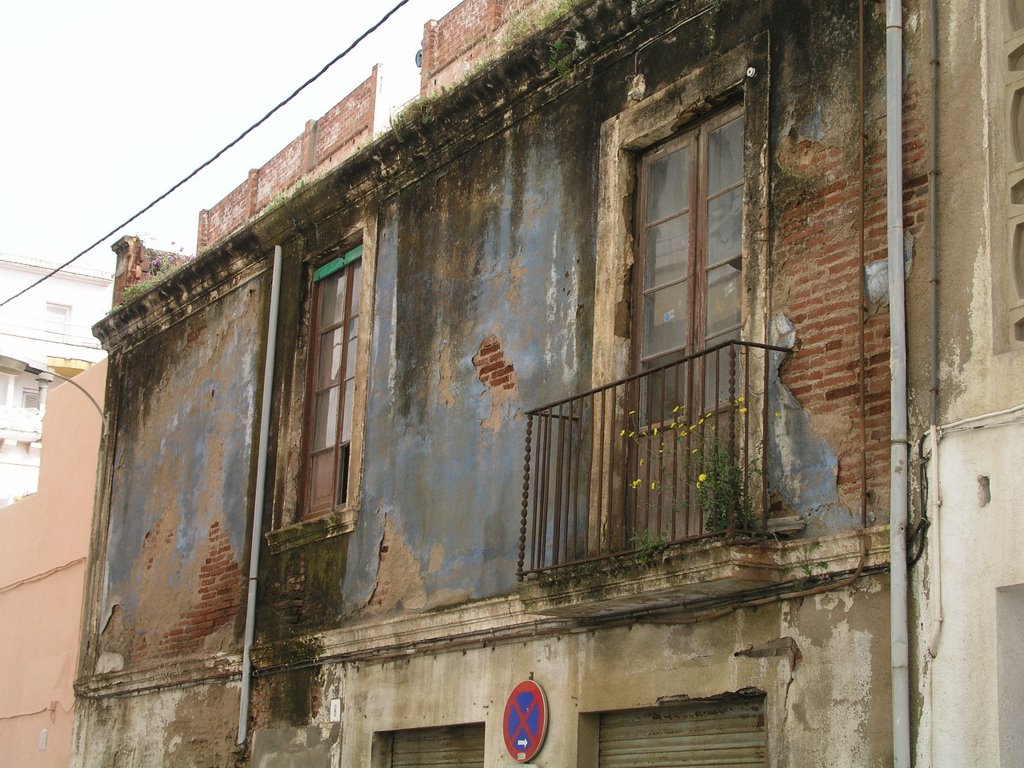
(899, 642)
(257, 511)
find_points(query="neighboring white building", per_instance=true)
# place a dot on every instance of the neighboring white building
(50, 324)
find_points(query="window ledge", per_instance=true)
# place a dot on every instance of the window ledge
(308, 531)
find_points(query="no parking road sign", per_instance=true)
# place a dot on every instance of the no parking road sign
(525, 722)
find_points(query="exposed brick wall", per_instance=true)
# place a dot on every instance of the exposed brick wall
(470, 32)
(493, 370)
(221, 592)
(817, 242)
(323, 144)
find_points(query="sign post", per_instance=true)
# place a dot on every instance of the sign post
(525, 722)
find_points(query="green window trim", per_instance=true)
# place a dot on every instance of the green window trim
(336, 265)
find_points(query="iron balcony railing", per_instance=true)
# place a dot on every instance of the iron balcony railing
(672, 454)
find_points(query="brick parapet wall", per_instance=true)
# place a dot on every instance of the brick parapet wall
(470, 33)
(323, 144)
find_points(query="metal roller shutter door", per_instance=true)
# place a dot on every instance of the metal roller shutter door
(460, 746)
(716, 733)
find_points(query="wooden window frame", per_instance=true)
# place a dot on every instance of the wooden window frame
(696, 337)
(350, 265)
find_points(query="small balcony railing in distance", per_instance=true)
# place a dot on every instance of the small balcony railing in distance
(672, 454)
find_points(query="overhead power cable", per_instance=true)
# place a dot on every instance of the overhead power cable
(215, 157)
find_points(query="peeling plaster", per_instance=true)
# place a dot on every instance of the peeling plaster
(399, 581)
(802, 467)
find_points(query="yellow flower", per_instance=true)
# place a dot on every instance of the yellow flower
(622, 433)
(702, 477)
(740, 399)
(635, 483)
(743, 410)
(653, 485)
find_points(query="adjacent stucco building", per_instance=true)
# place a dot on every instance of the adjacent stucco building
(44, 541)
(589, 372)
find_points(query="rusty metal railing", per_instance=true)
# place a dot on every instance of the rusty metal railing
(668, 455)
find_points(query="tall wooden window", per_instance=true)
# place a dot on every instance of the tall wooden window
(333, 340)
(690, 218)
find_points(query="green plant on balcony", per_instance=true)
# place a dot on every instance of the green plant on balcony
(713, 472)
(647, 548)
(721, 490)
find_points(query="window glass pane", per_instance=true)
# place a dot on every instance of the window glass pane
(332, 299)
(346, 425)
(329, 362)
(342, 495)
(725, 223)
(667, 252)
(350, 358)
(665, 319)
(725, 156)
(716, 371)
(723, 298)
(668, 185)
(355, 278)
(664, 391)
(325, 419)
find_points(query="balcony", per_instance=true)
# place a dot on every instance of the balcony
(652, 461)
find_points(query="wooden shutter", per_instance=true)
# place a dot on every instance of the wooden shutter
(460, 746)
(715, 733)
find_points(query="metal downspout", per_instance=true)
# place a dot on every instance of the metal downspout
(257, 511)
(897, 386)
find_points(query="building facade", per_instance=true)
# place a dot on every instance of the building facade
(50, 327)
(581, 375)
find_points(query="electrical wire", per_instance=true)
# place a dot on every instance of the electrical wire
(217, 156)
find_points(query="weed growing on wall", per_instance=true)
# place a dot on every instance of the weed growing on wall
(161, 266)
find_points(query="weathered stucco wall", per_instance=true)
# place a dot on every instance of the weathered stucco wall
(966, 588)
(496, 248)
(819, 709)
(181, 486)
(182, 727)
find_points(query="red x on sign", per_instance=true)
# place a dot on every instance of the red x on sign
(525, 722)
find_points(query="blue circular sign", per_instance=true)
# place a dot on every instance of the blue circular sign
(525, 722)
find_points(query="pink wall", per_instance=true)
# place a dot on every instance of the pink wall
(44, 539)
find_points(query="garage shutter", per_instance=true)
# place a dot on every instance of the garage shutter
(460, 746)
(722, 733)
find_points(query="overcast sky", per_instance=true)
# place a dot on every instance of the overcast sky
(104, 104)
